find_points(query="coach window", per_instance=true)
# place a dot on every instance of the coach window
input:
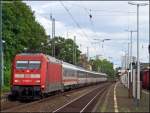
(84, 75)
(69, 73)
(97, 76)
(73, 73)
(81, 74)
(92, 75)
(77, 73)
(89, 75)
(66, 72)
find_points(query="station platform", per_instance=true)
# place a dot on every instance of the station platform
(116, 100)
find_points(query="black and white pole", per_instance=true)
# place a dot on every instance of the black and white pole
(137, 98)
(53, 34)
(74, 50)
(131, 60)
(88, 53)
(131, 68)
(127, 62)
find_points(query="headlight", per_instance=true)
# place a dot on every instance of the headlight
(35, 76)
(37, 81)
(19, 75)
(17, 81)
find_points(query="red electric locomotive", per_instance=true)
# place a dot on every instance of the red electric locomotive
(34, 75)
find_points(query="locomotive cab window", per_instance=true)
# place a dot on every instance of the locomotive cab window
(34, 64)
(28, 64)
(21, 64)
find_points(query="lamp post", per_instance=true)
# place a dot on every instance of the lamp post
(74, 51)
(130, 62)
(102, 40)
(53, 34)
(137, 96)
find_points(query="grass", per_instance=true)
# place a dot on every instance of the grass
(5, 89)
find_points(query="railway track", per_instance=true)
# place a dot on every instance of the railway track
(84, 103)
(15, 106)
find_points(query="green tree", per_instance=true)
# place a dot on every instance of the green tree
(20, 30)
(22, 33)
(64, 49)
(103, 66)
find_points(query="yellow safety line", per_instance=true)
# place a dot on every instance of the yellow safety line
(115, 99)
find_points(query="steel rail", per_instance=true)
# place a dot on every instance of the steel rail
(73, 102)
(22, 105)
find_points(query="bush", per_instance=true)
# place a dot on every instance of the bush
(6, 89)
(7, 75)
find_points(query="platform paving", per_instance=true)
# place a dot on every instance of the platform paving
(123, 103)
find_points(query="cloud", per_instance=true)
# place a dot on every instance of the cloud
(109, 22)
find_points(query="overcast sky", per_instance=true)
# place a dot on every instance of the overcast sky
(109, 20)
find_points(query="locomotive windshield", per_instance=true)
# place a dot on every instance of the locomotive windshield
(28, 64)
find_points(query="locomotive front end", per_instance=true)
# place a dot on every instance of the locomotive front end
(26, 77)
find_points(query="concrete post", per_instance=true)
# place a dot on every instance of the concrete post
(133, 83)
